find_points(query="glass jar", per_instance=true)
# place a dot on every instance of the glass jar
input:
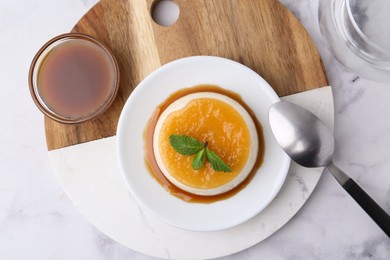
(357, 32)
(73, 78)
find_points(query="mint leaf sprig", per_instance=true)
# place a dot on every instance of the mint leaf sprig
(187, 145)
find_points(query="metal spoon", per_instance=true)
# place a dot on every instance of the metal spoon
(310, 143)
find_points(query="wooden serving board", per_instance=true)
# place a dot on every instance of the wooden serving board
(261, 34)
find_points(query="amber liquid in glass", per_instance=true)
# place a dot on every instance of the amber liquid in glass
(76, 78)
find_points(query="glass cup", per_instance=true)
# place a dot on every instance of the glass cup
(73, 78)
(357, 32)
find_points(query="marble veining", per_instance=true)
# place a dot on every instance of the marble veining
(38, 221)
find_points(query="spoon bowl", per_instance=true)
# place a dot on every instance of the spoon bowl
(303, 136)
(310, 143)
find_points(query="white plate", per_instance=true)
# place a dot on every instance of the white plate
(151, 92)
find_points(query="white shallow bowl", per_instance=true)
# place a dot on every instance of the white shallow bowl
(154, 90)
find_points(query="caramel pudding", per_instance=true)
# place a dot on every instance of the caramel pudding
(228, 130)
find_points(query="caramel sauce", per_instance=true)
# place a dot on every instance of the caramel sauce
(76, 78)
(151, 160)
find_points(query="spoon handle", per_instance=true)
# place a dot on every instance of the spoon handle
(369, 205)
(381, 218)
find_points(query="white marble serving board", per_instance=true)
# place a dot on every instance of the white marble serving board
(90, 176)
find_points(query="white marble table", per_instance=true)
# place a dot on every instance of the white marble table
(38, 221)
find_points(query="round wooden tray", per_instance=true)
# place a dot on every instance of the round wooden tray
(262, 35)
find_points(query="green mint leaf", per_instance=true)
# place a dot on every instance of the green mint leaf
(185, 145)
(216, 162)
(198, 160)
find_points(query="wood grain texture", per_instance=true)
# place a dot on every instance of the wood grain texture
(262, 34)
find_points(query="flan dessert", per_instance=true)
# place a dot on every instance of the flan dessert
(223, 126)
